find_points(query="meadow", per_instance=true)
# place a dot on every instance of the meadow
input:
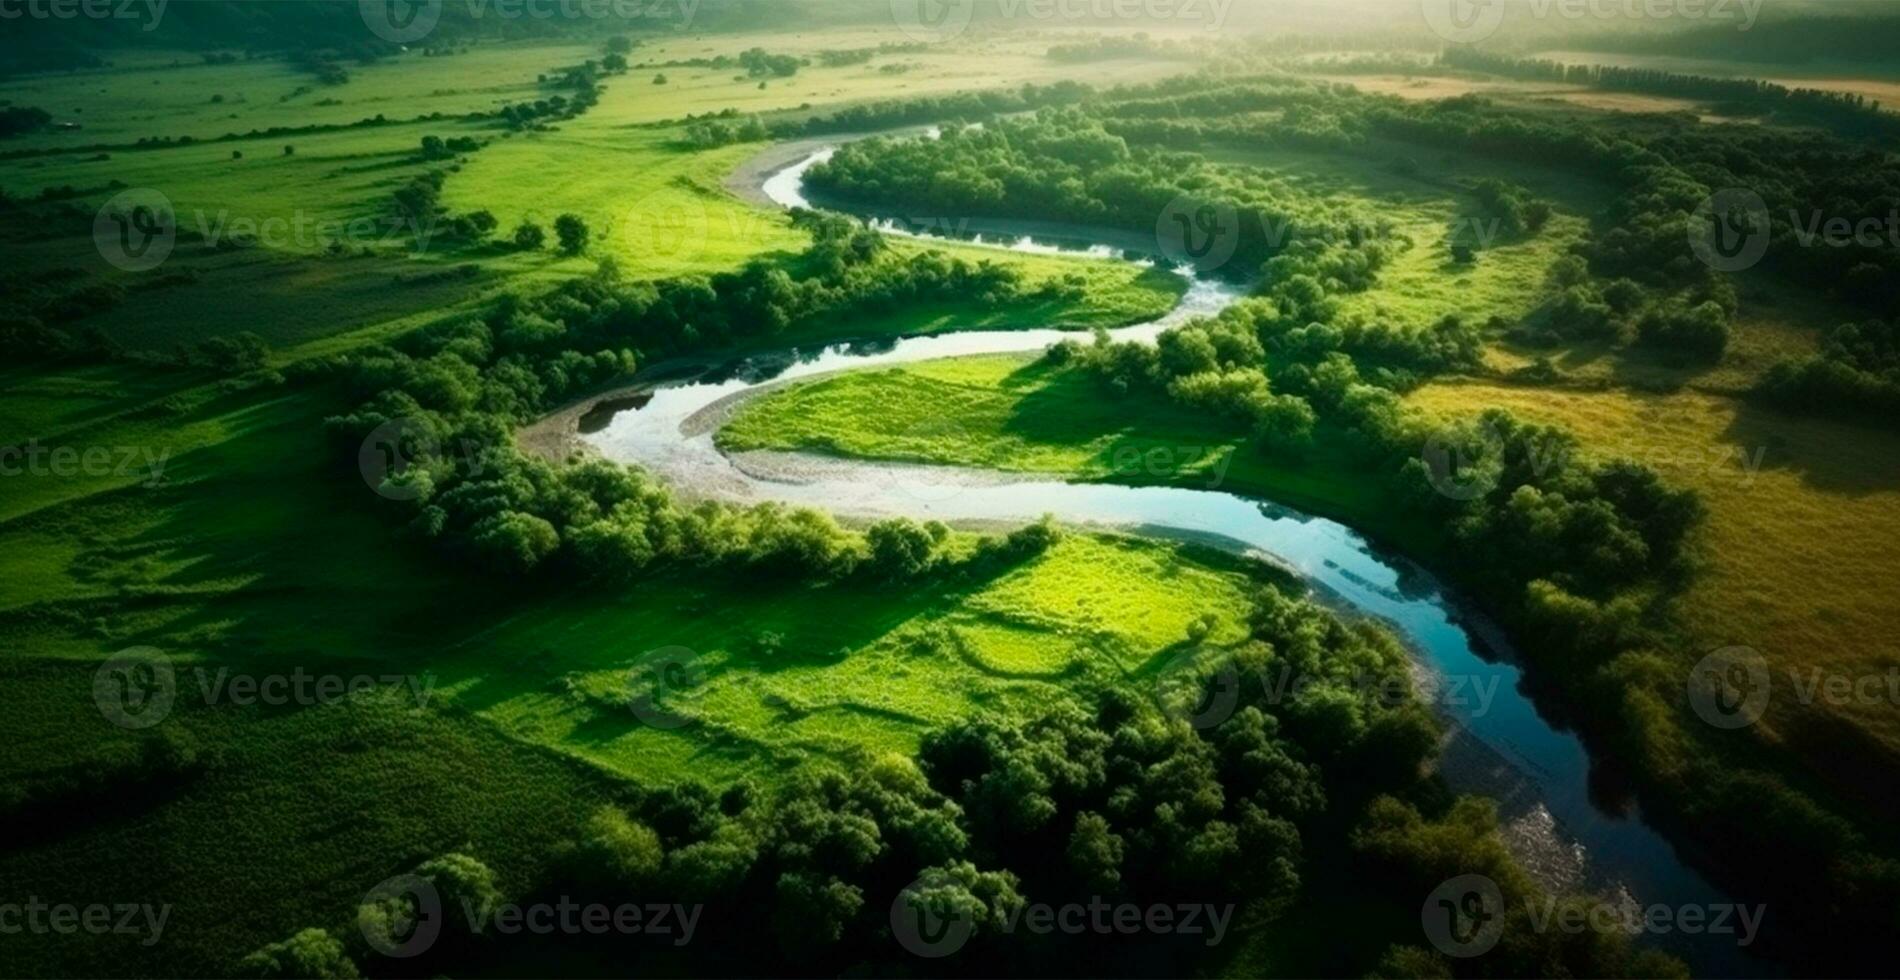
(232, 546)
(231, 533)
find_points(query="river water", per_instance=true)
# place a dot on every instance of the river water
(1501, 745)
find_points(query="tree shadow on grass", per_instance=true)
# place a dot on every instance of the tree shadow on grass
(271, 558)
(1829, 455)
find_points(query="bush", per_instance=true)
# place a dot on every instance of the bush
(572, 232)
(312, 954)
(1700, 332)
(530, 237)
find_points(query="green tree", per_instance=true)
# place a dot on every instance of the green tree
(572, 232)
(1095, 852)
(312, 954)
(530, 237)
(622, 850)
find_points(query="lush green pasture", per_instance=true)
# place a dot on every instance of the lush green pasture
(790, 672)
(333, 179)
(1015, 414)
(1004, 412)
(938, 69)
(259, 556)
(1424, 196)
(274, 835)
(203, 101)
(654, 205)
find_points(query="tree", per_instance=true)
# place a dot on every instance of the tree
(660, 79)
(619, 44)
(18, 120)
(900, 548)
(462, 885)
(624, 851)
(475, 226)
(313, 954)
(289, 151)
(530, 237)
(235, 354)
(1095, 852)
(516, 542)
(572, 232)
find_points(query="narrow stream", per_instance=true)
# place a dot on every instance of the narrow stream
(1501, 745)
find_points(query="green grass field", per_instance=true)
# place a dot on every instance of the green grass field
(1015, 414)
(222, 569)
(219, 562)
(227, 534)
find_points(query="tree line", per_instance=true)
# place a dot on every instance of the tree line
(1112, 797)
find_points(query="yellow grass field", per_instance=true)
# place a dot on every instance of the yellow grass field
(1803, 516)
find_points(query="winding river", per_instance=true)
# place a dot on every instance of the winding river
(1500, 746)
